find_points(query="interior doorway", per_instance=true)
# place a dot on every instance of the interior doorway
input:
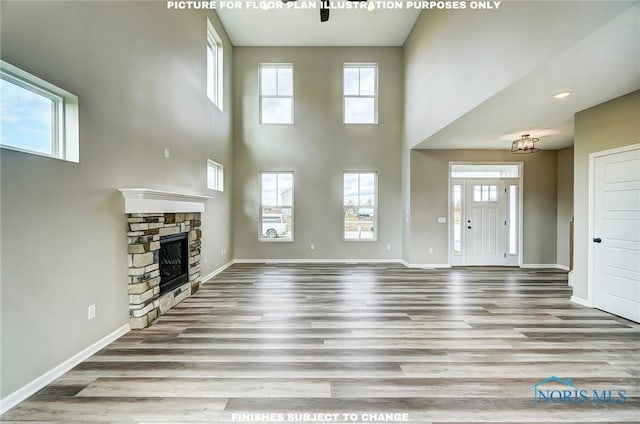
(485, 214)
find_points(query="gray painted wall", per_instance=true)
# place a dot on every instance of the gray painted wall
(429, 200)
(607, 126)
(139, 72)
(317, 148)
(565, 203)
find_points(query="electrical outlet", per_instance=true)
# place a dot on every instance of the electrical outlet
(223, 251)
(91, 312)
(388, 247)
(313, 247)
(431, 250)
(166, 153)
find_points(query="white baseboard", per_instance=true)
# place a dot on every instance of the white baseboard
(581, 301)
(317, 261)
(540, 266)
(32, 387)
(424, 266)
(216, 272)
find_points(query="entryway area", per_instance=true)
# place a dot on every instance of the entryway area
(485, 220)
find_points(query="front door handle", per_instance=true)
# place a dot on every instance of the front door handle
(597, 240)
(469, 227)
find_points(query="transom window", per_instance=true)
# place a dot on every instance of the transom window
(360, 93)
(360, 205)
(276, 206)
(276, 94)
(214, 66)
(37, 117)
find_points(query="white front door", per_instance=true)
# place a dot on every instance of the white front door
(484, 223)
(616, 234)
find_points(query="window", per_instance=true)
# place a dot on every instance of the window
(489, 170)
(360, 205)
(485, 193)
(37, 117)
(215, 176)
(457, 219)
(214, 66)
(276, 206)
(513, 219)
(360, 94)
(276, 94)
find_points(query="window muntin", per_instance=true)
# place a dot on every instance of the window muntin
(276, 94)
(215, 176)
(37, 117)
(276, 206)
(360, 87)
(360, 205)
(215, 66)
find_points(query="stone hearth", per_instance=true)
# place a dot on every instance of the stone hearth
(145, 230)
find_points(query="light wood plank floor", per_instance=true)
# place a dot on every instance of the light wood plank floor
(460, 345)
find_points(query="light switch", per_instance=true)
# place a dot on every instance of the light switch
(442, 220)
(167, 153)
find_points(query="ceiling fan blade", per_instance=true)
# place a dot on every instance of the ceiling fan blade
(324, 11)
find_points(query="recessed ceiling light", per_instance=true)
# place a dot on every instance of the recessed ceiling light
(562, 95)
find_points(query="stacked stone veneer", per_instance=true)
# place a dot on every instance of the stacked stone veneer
(145, 229)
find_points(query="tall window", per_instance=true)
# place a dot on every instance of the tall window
(215, 176)
(37, 117)
(457, 219)
(360, 93)
(276, 94)
(214, 66)
(360, 205)
(276, 206)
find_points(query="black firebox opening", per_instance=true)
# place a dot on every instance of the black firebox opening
(174, 262)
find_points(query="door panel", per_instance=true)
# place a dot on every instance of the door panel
(616, 272)
(485, 222)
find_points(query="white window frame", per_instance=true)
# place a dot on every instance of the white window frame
(345, 96)
(374, 207)
(277, 96)
(217, 170)
(215, 66)
(261, 206)
(64, 133)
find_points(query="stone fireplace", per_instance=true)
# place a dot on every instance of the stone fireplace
(164, 242)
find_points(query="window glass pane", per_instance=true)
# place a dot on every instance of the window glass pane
(484, 171)
(350, 189)
(27, 119)
(268, 186)
(485, 193)
(367, 189)
(457, 219)
(211, 86)
(268, 84)
(359, 110)
(367, 81)
(285, 189)
(276, 110)
(285, 81)
(513, 219)
(477, 193)
(276, 223)
(351, 81)
(493, 193)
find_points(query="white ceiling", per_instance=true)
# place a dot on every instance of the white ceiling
(600, 67)
(284, 25)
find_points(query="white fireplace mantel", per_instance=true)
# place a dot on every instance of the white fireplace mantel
(145, 200)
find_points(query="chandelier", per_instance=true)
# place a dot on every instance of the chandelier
(525, 144)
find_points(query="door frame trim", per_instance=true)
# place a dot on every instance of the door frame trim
(591, 211)
(520, 204)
